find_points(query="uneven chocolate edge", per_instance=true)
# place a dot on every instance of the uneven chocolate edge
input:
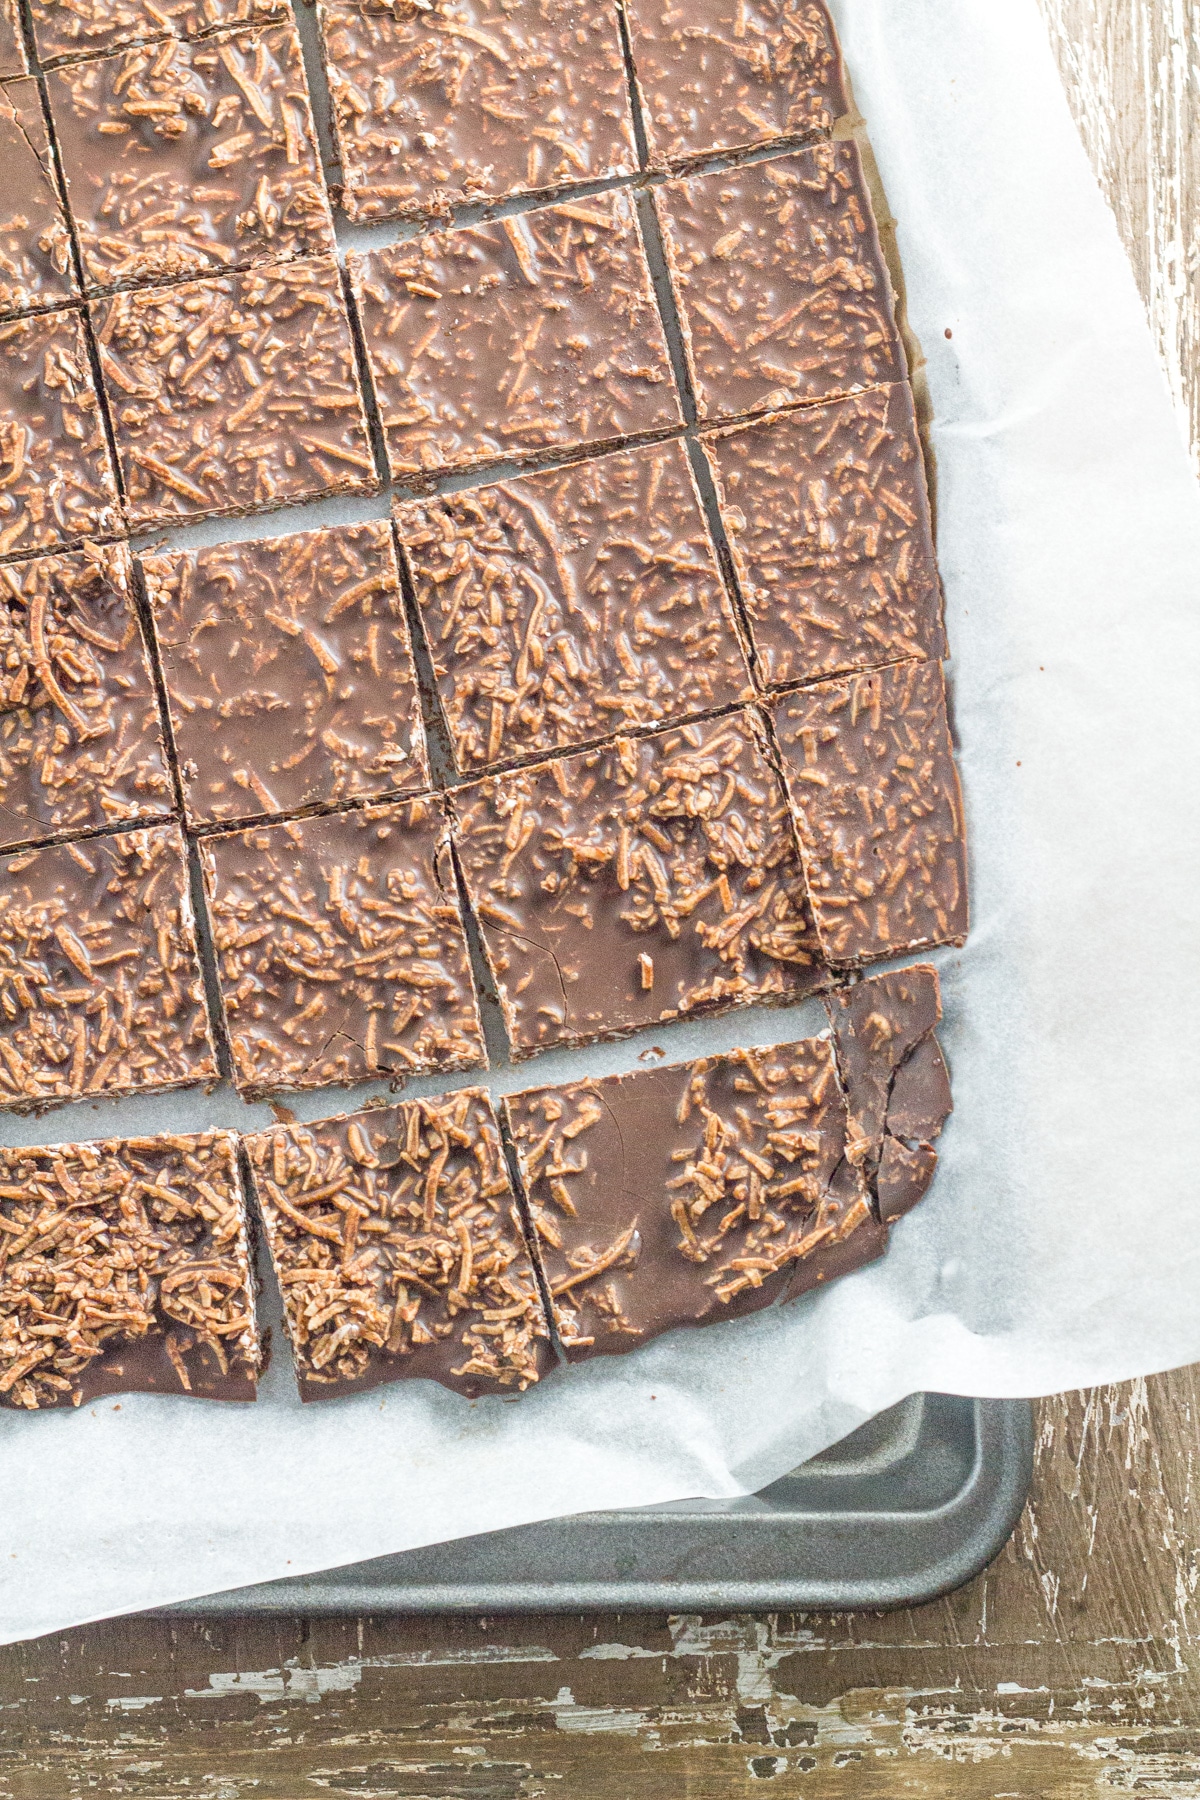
(60, 302)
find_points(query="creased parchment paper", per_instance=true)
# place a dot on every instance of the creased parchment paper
(1061, 1244)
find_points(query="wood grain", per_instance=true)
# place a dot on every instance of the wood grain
(1069, 1671)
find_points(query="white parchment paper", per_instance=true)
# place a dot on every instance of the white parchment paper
(1061, 1244)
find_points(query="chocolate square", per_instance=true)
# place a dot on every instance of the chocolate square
(437, 106)
(289, 671)
(874, 789)
(80, 737)
(125, 1269)
(507, 339)
(682, 1196)
(99, 980)
(564, 606)
(236, 395)
(827, 515)
(727, 75)
(35, 250)
(399, 1249)
(67, 30)
(340, 949)
(646, 880)
(13, 59)
(56, 481)
(186, 159)
(784, 295)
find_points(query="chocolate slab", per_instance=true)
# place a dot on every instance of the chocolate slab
(446, 103)
(398, 1247)
(184, 159)
(35, 250)
(289, 673)
(340, 949)
(67, 30)
(99, 981)
(13, 59)
(784, 296)
(564, 606)
(894, 1074)
(827, 516)
(682, 1196)
(234, 395)
(125, 1269)
(511, 338)
(80, 737)
(731, 75)
(56, 481)
(642, 881)
(874, 789)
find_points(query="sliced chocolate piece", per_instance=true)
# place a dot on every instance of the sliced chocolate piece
(289, 671)
(80, 738)
(340, 949)
(440, 104)
(56, 482)
(733, 74)
(506, 339)
(564, 606)
(827, 515)
(638, 882)
(100, 985)
(681, 1196)
(13, 59)
(235, 395)
(35, 250)
(125, 1269)
(870, 771)
(66, 30)
(184, 159)
(399, 1249)
(855, 1239)
(896, 1081)
(784, 295)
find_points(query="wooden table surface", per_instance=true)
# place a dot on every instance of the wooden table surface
(1071, 1669)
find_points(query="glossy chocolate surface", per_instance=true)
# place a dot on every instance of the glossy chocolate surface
(99, 981)
(289, 672)
(564, 606)
(399, 1248)
(499, 340)
(438, 104)
(340, 949)
(13, 59)
(80, 739)
(35, 250)
(642, 881)
(783, 292)
(66, 30)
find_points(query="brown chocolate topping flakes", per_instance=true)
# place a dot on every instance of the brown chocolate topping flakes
(733, 74)
(99, 984)
(398, 1246)
(65, 30)
(125, 1268)
(340, 949)
(682, 1196)
(35, 250)
(828, 519)
(437, 104)
(13, 60)
(893, 1071)
(636, 883)
(80, 742)
(56, 481)
(509, 338)
(874, 789)
(562, 607)
(185, 159)
(234, 395)
(289, 673)
(784, 295)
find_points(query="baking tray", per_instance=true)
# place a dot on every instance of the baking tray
(911, 1505)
